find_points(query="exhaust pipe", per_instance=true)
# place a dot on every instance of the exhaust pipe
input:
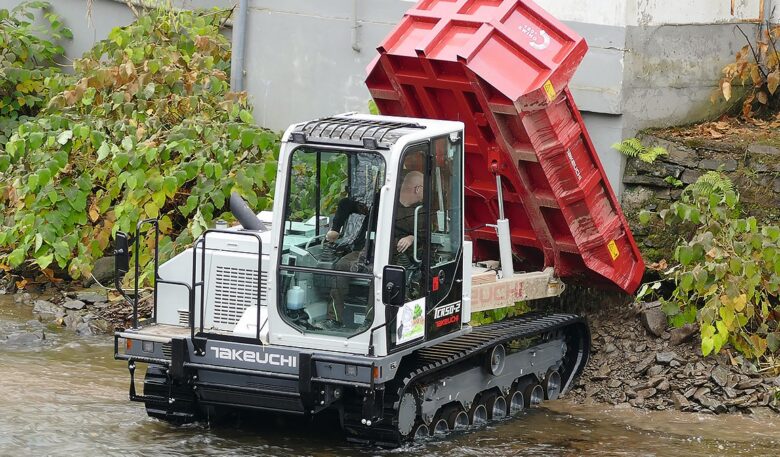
(244, 214)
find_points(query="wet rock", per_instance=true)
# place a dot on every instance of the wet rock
(47, 309)
(731, 393)
(100, 326)
(34, 324)
(24, 338)
(680, 402)
(720, 375)
(654, 320)
(682, 334)
(84, 329)
(72, 321)
(690, 392)
(91, 296)
(74, 304)
(665, 357)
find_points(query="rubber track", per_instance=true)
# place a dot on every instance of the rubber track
(428, 361)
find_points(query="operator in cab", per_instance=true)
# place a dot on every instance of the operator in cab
(410, 196)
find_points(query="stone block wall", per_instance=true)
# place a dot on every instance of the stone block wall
(754, 169)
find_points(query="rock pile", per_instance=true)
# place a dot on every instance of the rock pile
(82, 312)
(637, 361)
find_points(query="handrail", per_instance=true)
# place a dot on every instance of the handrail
(137, 243)
(157, 278)
(416, 217)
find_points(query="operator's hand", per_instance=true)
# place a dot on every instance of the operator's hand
(405, 242)
(332, 236)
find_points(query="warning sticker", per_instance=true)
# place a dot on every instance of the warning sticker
(613, 249)
(550, 90)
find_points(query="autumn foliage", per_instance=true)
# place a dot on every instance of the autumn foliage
(757, 66)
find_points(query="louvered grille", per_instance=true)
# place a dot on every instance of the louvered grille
(184, 317)
(166, 350)
(235, 289)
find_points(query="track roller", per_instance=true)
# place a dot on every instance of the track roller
(552, 385)
(496, 407)
(441, 427)
(420, 432)
(496, 360)
(516, 403)
(478, 415)
(457, 419)
(534, 394)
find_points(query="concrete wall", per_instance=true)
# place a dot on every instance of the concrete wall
(651, 62)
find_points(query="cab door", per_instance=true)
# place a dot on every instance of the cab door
(445, 228)
(427, 241)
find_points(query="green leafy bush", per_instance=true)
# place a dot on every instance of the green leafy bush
(27, 68)
(149, 129)
(728, 273)
(500, 314)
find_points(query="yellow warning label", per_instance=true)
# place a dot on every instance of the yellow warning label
(550, 90)
(613, 249)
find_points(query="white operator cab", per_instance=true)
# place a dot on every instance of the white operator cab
(389, 191)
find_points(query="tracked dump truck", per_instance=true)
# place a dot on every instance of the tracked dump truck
(477, 188)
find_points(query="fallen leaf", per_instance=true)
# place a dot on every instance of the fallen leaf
(715, 134)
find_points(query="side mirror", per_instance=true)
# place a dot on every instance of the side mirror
(122, 253)
(394, 285)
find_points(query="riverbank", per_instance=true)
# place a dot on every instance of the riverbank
(637, 361)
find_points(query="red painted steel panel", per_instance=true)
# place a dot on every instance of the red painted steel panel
(503, 68)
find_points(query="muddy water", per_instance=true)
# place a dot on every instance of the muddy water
(66, 395)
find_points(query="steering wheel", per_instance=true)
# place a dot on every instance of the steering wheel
(308, 243)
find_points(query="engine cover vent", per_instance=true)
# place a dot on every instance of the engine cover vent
(235, 289)
(184, 317)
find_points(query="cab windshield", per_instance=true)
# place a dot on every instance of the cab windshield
(326, 272)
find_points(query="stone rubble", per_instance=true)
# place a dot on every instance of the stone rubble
(648, 366)
(85, 312)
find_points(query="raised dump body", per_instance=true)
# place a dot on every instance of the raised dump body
(503, 68)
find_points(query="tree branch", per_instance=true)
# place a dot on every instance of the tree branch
(753, 50)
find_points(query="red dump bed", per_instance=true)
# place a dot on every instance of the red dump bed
(503, 68)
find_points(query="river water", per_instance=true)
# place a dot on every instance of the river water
(66, 395)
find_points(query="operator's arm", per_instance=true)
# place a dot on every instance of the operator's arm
(346, 207)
